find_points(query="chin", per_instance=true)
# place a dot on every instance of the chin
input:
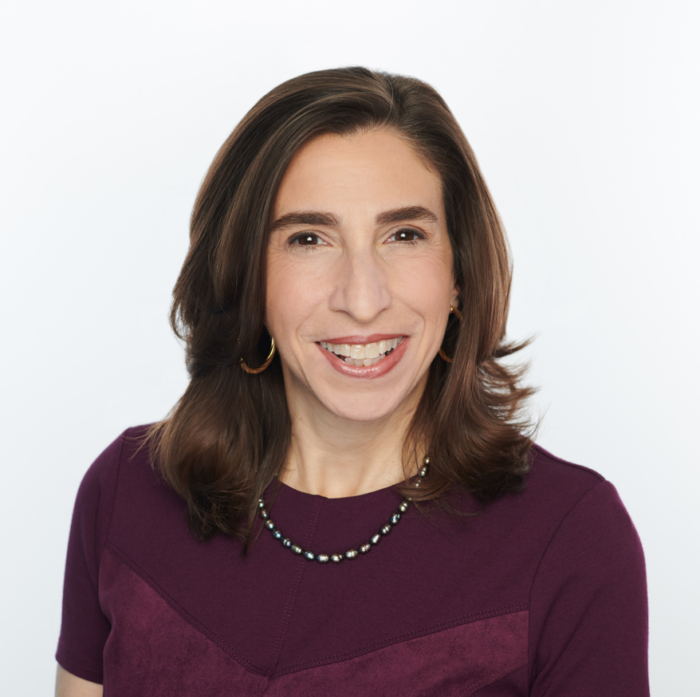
(364, 407)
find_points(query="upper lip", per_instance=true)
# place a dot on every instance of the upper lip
(372, 338)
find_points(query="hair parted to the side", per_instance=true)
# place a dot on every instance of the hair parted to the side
(229, 434)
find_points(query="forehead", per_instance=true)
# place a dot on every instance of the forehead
(375, 170)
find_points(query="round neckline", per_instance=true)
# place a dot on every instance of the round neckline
(299, 495)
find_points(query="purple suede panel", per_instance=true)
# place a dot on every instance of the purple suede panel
(455, 661)
(160, 653)
(508, 686)
(153, 651)
(284, 614)
(564, 549)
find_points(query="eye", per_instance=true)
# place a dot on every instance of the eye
(407, 234)
(306, 239)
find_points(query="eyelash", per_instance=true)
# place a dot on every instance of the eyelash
(296, 240)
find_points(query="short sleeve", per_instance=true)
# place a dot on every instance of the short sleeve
(84, 627)
(588, 605)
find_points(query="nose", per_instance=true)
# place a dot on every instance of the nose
(361, 289)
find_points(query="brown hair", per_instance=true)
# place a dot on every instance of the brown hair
(229, 434)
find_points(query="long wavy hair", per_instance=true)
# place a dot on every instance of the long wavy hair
(228, 436)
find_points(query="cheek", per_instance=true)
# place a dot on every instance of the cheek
(428, 286)
(280, 295)
(291, 298)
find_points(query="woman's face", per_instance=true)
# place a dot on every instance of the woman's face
(359, 275)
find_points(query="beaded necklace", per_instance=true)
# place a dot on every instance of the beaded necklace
(351, 553)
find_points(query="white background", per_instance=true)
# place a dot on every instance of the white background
(585, 119)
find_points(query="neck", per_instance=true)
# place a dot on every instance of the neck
(336, 458)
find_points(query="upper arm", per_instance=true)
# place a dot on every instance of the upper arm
(588, 604)
(84, 626)
(69, 685)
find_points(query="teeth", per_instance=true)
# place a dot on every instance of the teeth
(363, 362)
(362, 354)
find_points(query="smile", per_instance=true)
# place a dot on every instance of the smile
(363, 354)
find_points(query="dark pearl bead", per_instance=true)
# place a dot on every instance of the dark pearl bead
(264, 514)
(395, 518)
(322, 558)
(386, 529)
(351, 554)
(337, 558)
(277, 534)
(310, 556)
(426, 460)
(375, 540)
(423, 472)
(287, 542)
(269, 525)
(365, 548)
(404, 506)
(296, 549)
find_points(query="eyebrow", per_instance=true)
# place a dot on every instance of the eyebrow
(401, 215)
(397, 215)
(305, 218)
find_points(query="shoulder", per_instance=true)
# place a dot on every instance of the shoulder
(590, 506)
(565, 508)
(104, 471)
(549, 473)
(588, 591)
(552, 487)
(588, 533)
(122, 495)
(98, 488)
(574, 491)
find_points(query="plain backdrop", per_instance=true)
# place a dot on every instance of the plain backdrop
(584, 117)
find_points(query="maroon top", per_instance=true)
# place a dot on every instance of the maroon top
(542, 594)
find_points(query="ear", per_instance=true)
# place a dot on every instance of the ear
(454, 295)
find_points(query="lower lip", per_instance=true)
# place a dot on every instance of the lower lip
(368, 372)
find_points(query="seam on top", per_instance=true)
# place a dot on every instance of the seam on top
(418, 633)
(294, 591)
(544, 553)
(337, 658)
(103, 543)
(176, 607)
(116, 490)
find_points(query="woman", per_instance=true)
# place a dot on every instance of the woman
(347, 498)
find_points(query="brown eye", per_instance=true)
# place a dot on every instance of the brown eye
(407, 235)
(306, 239)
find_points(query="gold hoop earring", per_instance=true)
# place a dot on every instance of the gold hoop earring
(453, 311)
(268, 360)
